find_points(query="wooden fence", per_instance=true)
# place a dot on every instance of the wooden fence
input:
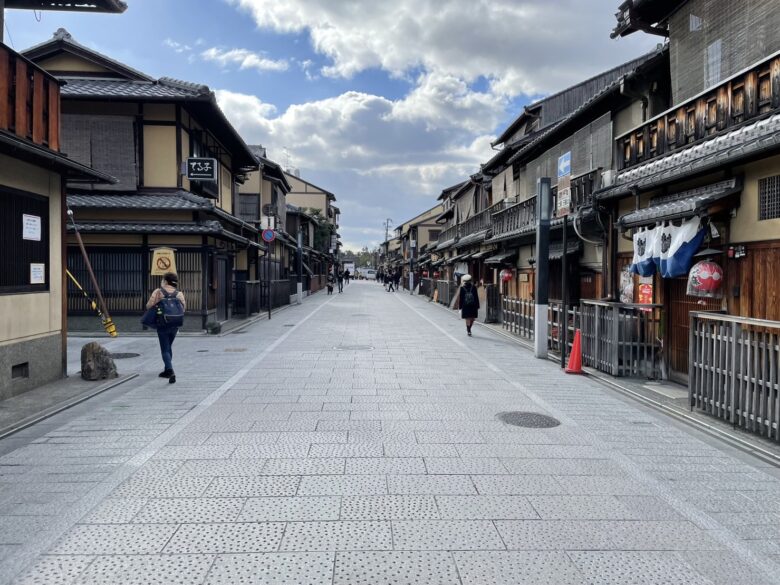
(518, 316)
(734, 371)
(447, 290)
(427, 287)
(619, 339)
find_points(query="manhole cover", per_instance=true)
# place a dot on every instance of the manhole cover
(235, 349)
(124, 356)
(530, 420)
(353, 347)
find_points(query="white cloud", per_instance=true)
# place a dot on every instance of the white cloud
(523, 46)
(244, 59)
(177, 46)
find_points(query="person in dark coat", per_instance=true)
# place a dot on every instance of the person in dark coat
(468, 302)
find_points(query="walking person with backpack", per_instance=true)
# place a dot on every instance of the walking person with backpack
(468, 301)
(168, 305)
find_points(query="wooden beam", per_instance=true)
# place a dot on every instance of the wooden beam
(22, 91)
(5, 83)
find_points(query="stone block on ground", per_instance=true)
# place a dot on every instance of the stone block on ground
(97, 363)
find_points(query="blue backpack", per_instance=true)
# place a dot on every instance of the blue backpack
(170, 310)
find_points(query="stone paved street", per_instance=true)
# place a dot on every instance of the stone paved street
(354, 440)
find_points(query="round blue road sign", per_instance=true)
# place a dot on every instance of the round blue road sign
(269, 236)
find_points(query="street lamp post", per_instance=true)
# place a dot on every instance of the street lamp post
(300, 264)
(544, 213)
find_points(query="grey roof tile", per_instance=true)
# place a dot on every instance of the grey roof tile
(168, 201)
(120, 88)
(103, 227)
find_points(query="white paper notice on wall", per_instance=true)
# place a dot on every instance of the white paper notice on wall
(31, 227)
(37, 273)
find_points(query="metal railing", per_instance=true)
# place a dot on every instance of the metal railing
(734, 371)
(476, 223)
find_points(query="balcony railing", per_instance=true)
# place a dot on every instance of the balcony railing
(747, 95)
(514, 217)
(448, 234)
(29, 100)
(476, 223)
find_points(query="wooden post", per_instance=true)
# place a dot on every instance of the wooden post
(88, 264)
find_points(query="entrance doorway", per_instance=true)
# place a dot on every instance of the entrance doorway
(679, 306)
(222, 288)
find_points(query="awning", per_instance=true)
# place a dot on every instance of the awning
(442, 217)
(481, 254)
(457, 258)
(473, 238)
(556, 249)
(502, 258)
(446, 244)
(681, 205)
(437, 263)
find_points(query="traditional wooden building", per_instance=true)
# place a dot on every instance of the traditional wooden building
(143, 131)
(713, 159)
(33, 173)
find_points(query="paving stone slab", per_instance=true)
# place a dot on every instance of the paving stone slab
(226, 538)
(290, 509)
(486, 508)
(471, 466)
(393, 507)
(312, 466)
(385, 465)
(144, 569)
(517, 568)
(342, 485)
(55, 570)
(250, 487)
(182, 510)
(115, 511)
(431, 484)
(642, 568)
(395, 568)
(341, 535)
(272, 569)
(112, 539)
(446, 535)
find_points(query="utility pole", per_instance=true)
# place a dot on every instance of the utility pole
(300, 262)
(543, 216)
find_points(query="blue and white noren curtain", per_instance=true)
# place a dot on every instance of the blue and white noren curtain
(645, 240)
(667, 248)
(678, 244)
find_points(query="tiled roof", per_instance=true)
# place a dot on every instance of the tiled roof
(555, 251)
(750, 140)
(121, 88)
(501, 258)
(446, 244)
(680, 205)
(180, 200)
(113, 227)
(474, 238)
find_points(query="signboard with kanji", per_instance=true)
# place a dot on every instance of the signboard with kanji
(563, 206)
(202, 169)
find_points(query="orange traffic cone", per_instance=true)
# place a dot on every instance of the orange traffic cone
(575, 359)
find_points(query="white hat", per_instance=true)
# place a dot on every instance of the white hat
(465, 278)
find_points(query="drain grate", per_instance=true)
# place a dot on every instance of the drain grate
(353, 347)
(529, 420)
(235, 349)
(125, 356)
(203, 351)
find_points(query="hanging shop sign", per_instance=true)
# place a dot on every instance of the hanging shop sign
(645, 294)
(705, 280)
(202, 169)
(506, 275)
(563, 206)
(163, 261)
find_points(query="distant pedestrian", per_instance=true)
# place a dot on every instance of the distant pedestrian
(468, 302)
(389, 280)
(330, 283)
(347, 275)
(171, 306)
(340, 279)
(397, 279)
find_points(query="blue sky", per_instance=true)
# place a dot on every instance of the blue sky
(383, 104)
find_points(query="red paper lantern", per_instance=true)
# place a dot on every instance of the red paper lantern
(436, 274)
(705, 279)
(506, 275)
(425, 274)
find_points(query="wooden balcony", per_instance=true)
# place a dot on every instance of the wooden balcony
(515, 217)
(753, 93)
(29, 100)
(477, 223)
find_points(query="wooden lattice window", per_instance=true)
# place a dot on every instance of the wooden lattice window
(769, 198)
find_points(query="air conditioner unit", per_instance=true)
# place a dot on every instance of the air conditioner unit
(607, 178)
